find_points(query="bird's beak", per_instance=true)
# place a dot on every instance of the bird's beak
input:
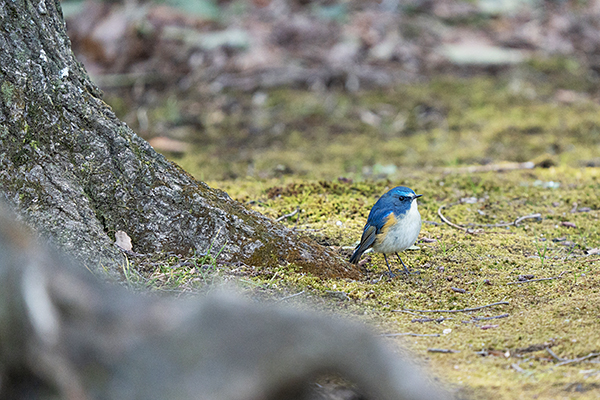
(418, 195)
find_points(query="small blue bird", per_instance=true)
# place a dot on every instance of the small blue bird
(393, 225)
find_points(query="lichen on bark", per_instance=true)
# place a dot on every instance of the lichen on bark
(77, 174)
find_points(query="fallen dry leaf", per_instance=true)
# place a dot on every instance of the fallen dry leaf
(123, 240)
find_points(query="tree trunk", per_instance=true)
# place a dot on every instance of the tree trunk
(77, 174)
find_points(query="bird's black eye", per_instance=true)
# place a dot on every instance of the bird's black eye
(402, 198)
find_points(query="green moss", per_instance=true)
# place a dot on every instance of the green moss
(558, 312)
(287, 153)
(380, 133)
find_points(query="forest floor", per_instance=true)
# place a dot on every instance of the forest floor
(492, 114)
(509, 166)
(541, 272)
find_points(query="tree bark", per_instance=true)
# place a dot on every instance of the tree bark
(77, 174)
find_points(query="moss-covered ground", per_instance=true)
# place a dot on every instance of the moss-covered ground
(504, 357)
(324, 158)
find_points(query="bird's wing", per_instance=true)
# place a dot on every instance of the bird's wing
(366, 241)
(378, 217)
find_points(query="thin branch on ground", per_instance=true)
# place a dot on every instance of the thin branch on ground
(516, 367)
(471, 231)
(530, 216)
(290, 296)
(410, 312)
(580, 359)
(410, 334)
(296, 211)
(564, 361)
(476, 319)
(553, 354)
(446, 351)
(427, 319)
(453, 225)
(454, 311)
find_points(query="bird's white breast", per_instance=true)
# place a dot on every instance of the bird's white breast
(402, 235)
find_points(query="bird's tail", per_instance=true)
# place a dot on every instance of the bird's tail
(366, 241)
(356, 255)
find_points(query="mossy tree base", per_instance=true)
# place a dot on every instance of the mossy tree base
(77, 174)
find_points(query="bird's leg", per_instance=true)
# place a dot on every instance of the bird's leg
(402, 262)
(392, 275)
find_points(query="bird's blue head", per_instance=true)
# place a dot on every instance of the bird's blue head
(399, 199)
(403, 193)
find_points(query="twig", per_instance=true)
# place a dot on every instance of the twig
(494, 317)
(564, 361)
(576, 360)
(516, 367)
(409, 312)
(288, 215)
(553, 354)
(516, 222)
(290, 296)
(454, 311)
(411, 334)
(447, 221)
(446, 351)
(475, 319)
(438, 320)
(520, 219)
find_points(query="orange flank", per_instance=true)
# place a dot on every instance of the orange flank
(389, 222)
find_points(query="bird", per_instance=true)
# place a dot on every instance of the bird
(393, 225)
